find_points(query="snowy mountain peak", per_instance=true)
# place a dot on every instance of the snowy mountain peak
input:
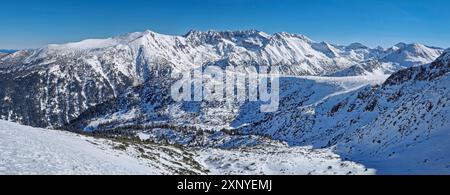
(298, 54)
(85, 44)
(251, 32)
(326, 48)
(284, 35)
(123, 83)
(239, 37)
(148, 31)
(412, 47)
(399, 46)
(93, 44)
(226, 34)
(355, 46)
(407, 55)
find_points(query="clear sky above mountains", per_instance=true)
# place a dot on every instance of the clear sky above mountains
(31, 24)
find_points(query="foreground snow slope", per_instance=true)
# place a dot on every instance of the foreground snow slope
(27, 150)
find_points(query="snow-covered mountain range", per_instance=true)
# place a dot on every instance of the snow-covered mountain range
(59, 82)
(371, 105)
(396, 58)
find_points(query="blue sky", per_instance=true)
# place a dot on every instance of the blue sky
(31, 23)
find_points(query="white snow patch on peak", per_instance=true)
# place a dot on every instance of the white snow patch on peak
(413, 47)
(263, 34)
(289, 35)
(90, 44)
(326, 48)
(225, 34)
(408, 55)
(86, 44)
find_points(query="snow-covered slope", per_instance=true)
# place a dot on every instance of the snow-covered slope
(369, 119)
(279, 161)
(142, 106)
(407, 55)
(4, 52)
(63, 81)
(396, 58)
(121, 86)
(411, 130)
(397, 127)
(28, 151)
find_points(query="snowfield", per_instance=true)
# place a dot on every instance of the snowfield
(272, 160)
(26, 150)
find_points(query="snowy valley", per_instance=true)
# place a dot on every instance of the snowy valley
(343, 109)
(31, 151)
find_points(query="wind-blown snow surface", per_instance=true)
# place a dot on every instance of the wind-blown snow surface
(27, 150)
